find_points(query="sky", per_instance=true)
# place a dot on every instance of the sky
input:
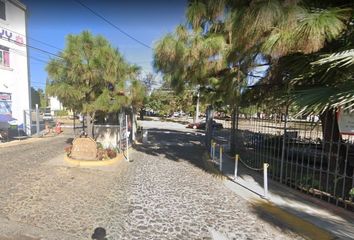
(147, 21)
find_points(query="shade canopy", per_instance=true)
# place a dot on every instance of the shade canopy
(6, 118)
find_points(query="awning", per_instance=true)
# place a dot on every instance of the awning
(6, 118)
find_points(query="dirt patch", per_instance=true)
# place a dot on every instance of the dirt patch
(18, 237)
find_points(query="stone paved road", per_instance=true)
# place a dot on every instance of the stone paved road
(165, 193)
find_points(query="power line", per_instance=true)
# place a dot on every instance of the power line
(22, 53)
(44, 43)
(112, 24)
(35, 48)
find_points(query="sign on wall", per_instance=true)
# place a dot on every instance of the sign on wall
(11, 36)
(5, 103)
(346, 122)
(5, 96)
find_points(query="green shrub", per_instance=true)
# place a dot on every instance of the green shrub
(351, 193)
(61, 113)
(99, 145)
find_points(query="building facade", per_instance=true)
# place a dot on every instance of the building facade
(55, 104)
(14, 67)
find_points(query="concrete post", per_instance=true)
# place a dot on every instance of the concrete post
(197, 109)
(265, 176)
(145, 135)
(37, 119)
(236, 165)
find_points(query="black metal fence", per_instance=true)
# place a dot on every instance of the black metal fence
(306, 154)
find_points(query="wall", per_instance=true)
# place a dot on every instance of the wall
(14, 79)
(55, 104)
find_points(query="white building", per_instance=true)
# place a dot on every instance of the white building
(55, 104)
(14, 72)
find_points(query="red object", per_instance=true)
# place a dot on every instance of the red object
(58, 128)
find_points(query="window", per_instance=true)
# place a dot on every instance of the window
(4, 56)
(2, 10)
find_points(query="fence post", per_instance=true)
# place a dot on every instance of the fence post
(265, 176)
(236, 165)
(220, 153)
(283, 148)
(211, 149)
(213, 144)
(37, 119)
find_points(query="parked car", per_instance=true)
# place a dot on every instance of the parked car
(202, 125)
(175, 114)
(47, 117)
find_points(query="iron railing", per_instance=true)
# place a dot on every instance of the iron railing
(298, 153)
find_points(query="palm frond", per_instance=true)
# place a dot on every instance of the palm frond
(338, 59)
(320, 25)
(196, 13)
(318, 99)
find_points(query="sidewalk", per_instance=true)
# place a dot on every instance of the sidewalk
(249, 185)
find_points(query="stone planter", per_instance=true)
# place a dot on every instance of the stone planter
(93, 163)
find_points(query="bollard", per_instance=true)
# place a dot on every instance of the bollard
(145, 135)
(220, 166)
(265, 176)
(236, 165)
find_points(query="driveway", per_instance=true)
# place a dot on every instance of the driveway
(166, 192)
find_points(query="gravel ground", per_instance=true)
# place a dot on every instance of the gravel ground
(165, 193)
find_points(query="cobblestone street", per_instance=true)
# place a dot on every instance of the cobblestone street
(164, 193)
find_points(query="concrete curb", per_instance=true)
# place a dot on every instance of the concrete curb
(93, 163)
(300, 226)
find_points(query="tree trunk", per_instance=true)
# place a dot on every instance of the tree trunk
(330, 127)
(332, 141)
(234, 126)
(142, 112)
(89, 123)
(331, 138)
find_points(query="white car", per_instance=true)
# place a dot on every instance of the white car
(47, 117)
(176, 114)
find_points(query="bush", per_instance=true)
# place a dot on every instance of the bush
(351, 193)
(61, 113)
(68, 149)
(111, 153)
(101, 154)
(99, 145)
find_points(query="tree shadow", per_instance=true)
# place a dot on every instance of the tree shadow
(69, 140)
(177, 146)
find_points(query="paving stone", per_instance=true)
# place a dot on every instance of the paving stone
(160, 195)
